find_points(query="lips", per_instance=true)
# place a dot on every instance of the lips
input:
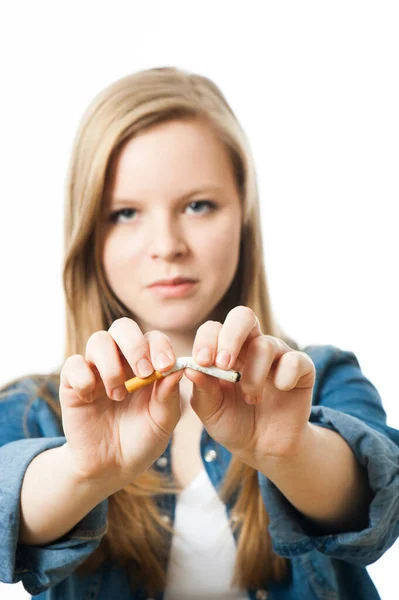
(167, 291)
(174, 281)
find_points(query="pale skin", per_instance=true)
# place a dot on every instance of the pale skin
(113, 436)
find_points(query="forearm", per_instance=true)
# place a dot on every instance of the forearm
(54, 499)
(324, 481)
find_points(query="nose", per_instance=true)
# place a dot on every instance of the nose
(167, 240)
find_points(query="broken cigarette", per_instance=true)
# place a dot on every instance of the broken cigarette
(182, 362)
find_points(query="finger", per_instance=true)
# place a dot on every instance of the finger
(133, 344)
(207, 394)
(164, 406)
(161, 351)
(77, 381)
(102, 352)
(240, 324)
(263, 352)
(295, 370)
(205, 343)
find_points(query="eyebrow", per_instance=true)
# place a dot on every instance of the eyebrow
(200, 190)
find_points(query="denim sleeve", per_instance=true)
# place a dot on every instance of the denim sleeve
(38, 567)
(345, 401)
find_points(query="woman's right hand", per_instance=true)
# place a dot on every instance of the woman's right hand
(111, 434)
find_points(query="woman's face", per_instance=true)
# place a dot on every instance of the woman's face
(172, 210)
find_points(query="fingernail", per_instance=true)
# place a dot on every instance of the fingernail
(204, 355)
(249, 399)
(178, 381)
(223, 359)
(119, 393)
(87, 397)
(162, 361)
(144, 368)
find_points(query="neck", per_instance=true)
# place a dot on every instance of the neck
(182, 344)
(182, 341)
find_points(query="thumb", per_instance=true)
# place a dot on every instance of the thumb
(207, 395)
(164, 404)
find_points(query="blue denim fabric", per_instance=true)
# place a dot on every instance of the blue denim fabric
(322, 567)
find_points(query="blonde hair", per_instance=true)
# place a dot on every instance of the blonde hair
(137, 534)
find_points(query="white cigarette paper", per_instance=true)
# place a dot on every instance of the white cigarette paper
(183, 362)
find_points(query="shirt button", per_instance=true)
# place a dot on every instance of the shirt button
(261, 595)
(162, 462)
(210, 455)
(166, 519)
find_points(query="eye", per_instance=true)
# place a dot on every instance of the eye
(124, 213)
(201, 204)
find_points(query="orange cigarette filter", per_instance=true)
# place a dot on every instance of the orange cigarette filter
(137, 382)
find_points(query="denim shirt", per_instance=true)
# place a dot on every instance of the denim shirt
(321, 566)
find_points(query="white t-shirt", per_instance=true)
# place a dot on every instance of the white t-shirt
(203, 549)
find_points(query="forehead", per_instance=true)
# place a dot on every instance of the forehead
(169, 155)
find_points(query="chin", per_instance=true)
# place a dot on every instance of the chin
(178, 318)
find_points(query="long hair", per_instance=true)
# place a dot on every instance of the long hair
(137, 534)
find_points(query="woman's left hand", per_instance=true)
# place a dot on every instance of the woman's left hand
(266, 414)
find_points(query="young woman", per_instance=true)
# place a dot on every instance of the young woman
(284, 485)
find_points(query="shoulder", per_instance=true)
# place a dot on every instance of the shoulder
(338, 374)
(341, 385)
(333, 365)
(28, 408)
(327, 355)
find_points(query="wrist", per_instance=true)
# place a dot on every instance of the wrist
(295, 461)
(289, 460)
(102, 483)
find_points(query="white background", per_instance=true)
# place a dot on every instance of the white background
(315, 85)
